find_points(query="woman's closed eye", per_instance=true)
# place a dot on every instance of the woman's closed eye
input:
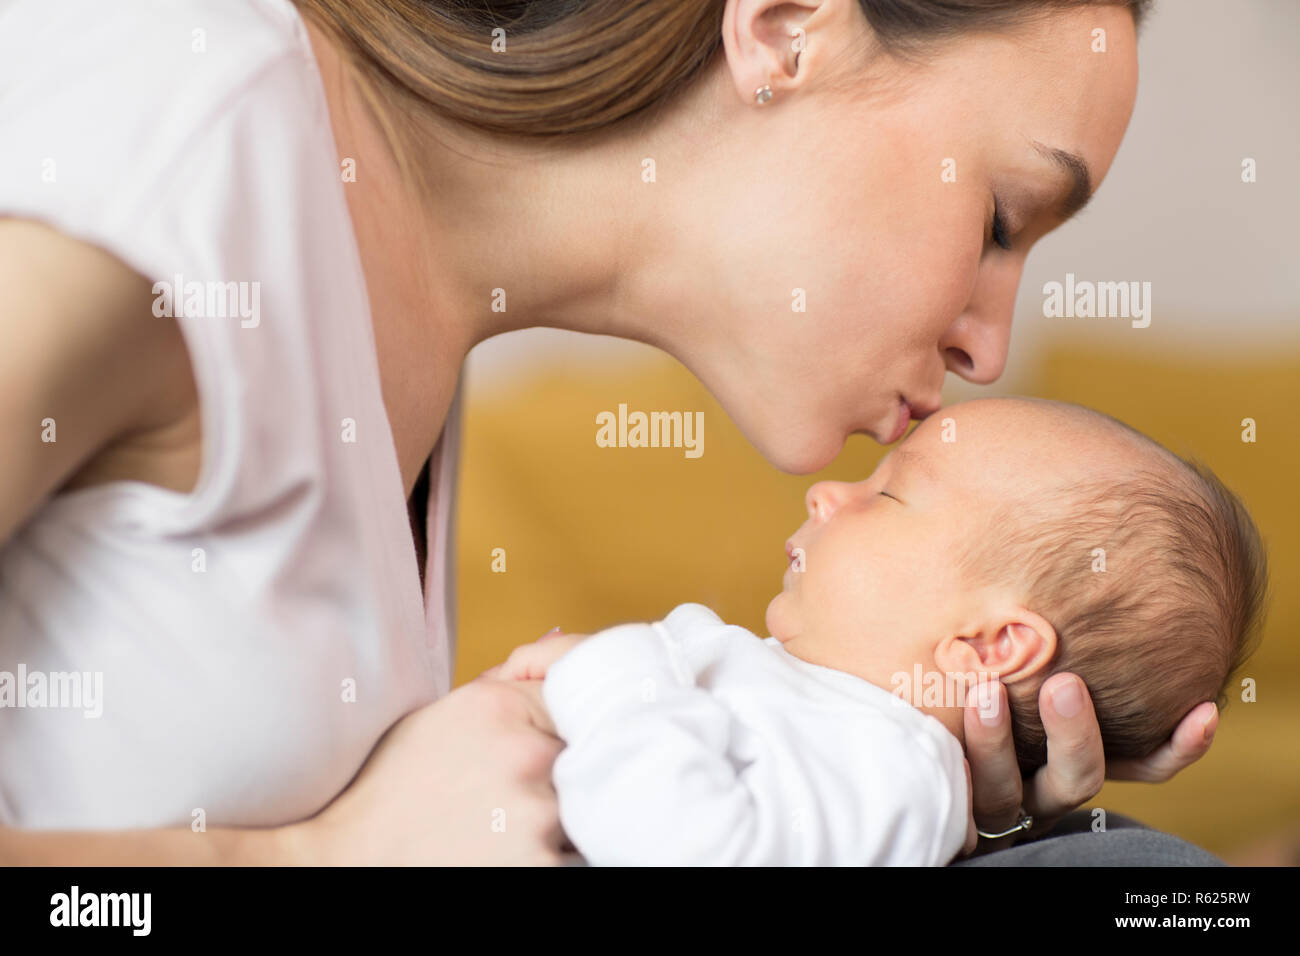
(998, 230)
(888, 495)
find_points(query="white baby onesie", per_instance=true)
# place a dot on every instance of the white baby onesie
(694, 742)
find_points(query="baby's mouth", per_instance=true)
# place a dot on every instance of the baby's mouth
(794, 562)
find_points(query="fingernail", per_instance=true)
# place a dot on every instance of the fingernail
(553, 631)
(1066, 699)
(989, 701)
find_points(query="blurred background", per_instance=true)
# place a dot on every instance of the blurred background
(594, 536)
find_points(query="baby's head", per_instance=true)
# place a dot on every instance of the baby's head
(1024, 537)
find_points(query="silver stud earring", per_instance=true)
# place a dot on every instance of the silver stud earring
(762, 94)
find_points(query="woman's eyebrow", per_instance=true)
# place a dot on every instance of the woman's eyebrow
(1081, 180)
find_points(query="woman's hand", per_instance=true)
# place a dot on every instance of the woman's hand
(465, 780)
(1076, 766)
(532, 661)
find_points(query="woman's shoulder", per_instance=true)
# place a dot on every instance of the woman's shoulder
(91, 51)
(107, 108)
(183, 38)
(191, 141)
(188, 138)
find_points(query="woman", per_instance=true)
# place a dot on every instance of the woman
(245, 257)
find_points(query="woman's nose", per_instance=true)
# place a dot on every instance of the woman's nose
(975, 345)
(824, 497)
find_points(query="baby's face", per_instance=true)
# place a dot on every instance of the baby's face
(880, 586)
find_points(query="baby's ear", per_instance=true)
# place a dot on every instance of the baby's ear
(1014, 645)
(960, 655)
(1025, 645)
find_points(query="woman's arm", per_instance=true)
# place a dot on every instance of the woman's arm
(83, 348)
(1076, 765)
(153, 847)
(92, 380)
(464, 781)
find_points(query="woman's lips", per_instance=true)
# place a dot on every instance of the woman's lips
(900, 425)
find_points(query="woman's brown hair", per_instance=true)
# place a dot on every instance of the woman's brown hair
(574, 66)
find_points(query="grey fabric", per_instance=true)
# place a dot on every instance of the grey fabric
(1125, 842)
(1072, 843)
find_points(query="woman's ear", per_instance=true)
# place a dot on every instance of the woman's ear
(1014, 645)
(767, 42)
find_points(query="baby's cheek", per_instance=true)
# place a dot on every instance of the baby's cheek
(779, 618)
(883, 586)
(850, 584)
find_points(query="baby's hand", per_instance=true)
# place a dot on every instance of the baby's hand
(532, 661)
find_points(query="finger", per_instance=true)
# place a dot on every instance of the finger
(563, 851)
(1076, 760)
(995, 773)
(525, 662)
(1190, 742)
(515, 666)
(521, 704)
(972, 837)
(538, 714)
(554, 836)
(537, 663)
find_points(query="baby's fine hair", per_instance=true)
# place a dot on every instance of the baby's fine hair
(1155, 584)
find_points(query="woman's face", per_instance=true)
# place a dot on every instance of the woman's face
(873, 191)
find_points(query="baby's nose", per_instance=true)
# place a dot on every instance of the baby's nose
(824, 497)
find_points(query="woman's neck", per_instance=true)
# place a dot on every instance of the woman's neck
(500, 235)
(420, 343)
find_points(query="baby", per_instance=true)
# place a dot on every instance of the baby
(1006, 539)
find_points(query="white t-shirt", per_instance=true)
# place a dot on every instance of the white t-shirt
(250, 641)
(692, 742)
